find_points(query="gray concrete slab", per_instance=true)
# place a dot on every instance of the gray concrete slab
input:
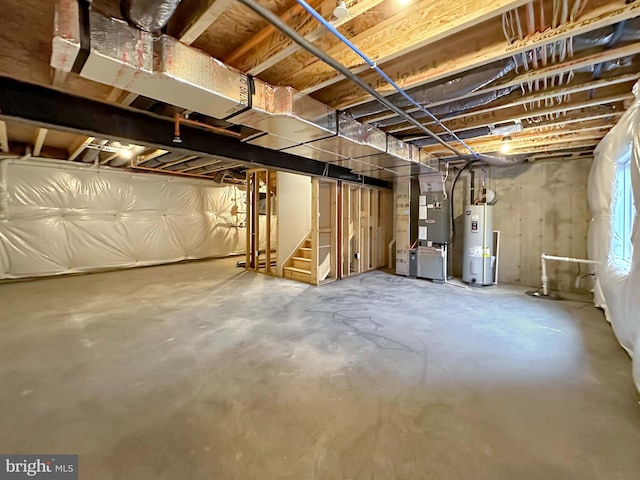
(203, 371)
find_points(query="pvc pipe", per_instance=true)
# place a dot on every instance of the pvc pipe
(392, 244)
(543, 259)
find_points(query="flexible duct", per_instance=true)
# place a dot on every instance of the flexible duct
(149, 15)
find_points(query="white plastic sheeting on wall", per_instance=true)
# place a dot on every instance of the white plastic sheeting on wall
(618, 280)
(59, 217)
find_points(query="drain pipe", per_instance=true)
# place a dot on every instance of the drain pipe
(543, 259)
(308, 46)
(380, 72)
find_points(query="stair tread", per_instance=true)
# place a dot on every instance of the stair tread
(302, 259)
(299, 270)
(306, 249)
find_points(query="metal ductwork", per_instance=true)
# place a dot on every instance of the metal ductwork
(110, 51)
(149, 15)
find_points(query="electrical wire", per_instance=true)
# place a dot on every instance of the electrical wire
(386, 77)
(333, 63)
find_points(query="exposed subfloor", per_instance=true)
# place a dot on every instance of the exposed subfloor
(203, 371)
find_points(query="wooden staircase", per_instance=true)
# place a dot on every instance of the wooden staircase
(298, 267)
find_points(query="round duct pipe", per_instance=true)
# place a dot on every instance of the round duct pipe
(149, 15)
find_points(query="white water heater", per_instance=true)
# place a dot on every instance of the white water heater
(478, 256)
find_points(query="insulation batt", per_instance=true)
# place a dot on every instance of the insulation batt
(617, 286)
(75, 218)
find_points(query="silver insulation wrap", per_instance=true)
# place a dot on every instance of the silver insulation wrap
(66, 35)
(149, 15)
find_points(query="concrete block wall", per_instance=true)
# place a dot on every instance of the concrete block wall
(541, 207)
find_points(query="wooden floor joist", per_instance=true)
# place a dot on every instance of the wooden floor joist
(278, 47)
(445, 62)
(604, 88)
(415, 27)
(517, 113)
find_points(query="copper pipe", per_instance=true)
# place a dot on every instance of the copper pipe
(179, 119)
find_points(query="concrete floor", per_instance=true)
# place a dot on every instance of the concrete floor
(203, 371)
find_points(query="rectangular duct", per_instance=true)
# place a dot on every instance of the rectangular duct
(353, 140)
(287, 114)
(119, 54)
(162, 68)
(194, 80)
(66, 35)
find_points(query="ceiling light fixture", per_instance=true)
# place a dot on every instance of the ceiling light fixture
(126, 153)
(506, 144)
(341, 10)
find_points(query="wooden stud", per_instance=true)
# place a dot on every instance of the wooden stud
(247, 220)
(38, 141)
(356, 200)
(347, 229)
(334, 230)
(270, 174)
(4, 139)
(315, 213)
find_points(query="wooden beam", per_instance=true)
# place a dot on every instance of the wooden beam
(523, 79)
(150, 156)
(531, 132)
(559, 146)
(607, 86)
(38, 141)
(295, 14)
(409, 72)
(78, 146)
(201, 21)
(212, 162)
(494, 144)
(278, 47)
(513, 114)
(4, 139)
(414, 27)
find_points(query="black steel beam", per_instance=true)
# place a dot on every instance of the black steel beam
(52, 108)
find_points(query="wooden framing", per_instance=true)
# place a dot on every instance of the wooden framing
(278, 47)
(417, 26)
(4, 140)
(444, 62)
(38, 141)
(255, 178)
(78, 146)
(315, 234)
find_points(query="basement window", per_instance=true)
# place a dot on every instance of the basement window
(622, 213)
